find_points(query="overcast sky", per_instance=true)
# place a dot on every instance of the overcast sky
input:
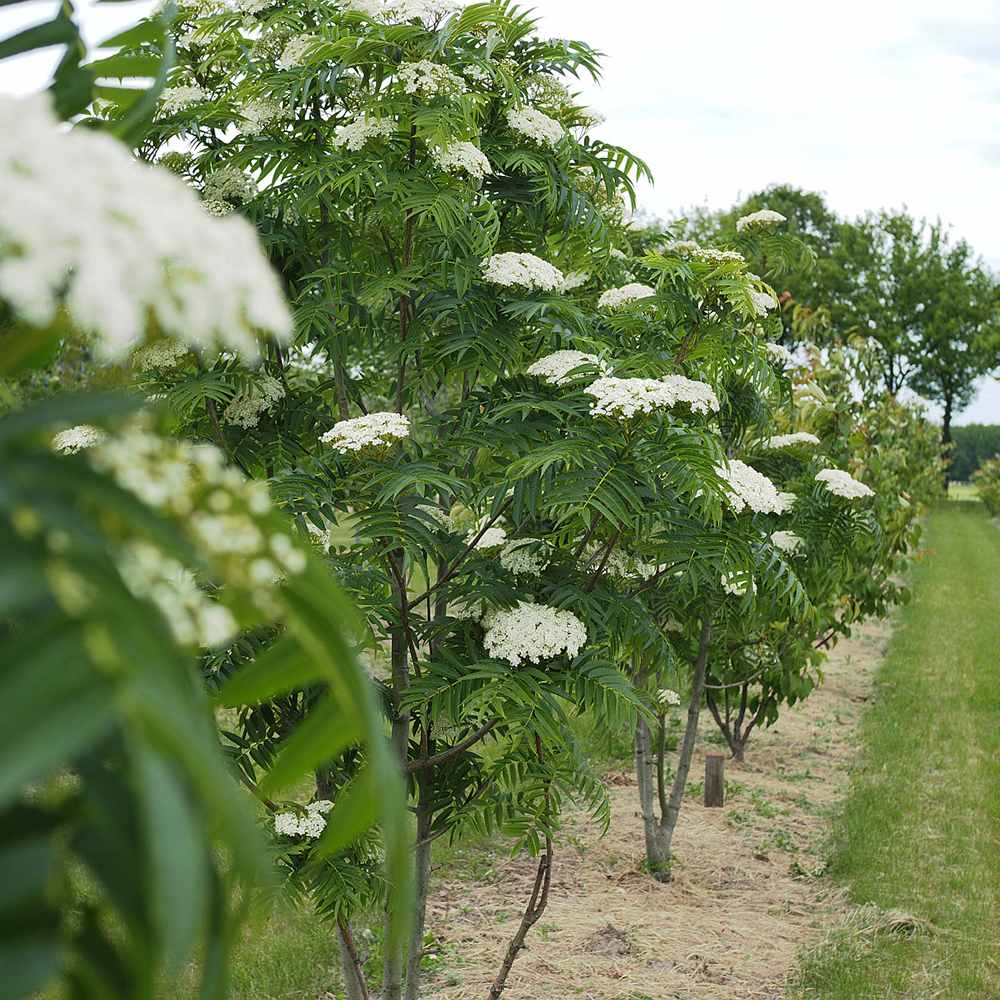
(876, 103)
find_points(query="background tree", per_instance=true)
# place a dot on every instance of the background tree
(972, 445)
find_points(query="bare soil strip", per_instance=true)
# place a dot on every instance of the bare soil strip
(748, 890)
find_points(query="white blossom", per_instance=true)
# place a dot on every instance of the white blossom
(245, 408)
(428, 78)
(787, 501)
(525, 556)
(749, 488)
(428, 12)
(575, 279)
(229, 183)
(74, 439)
(524, 270)
(492, 538)
(296, 50)
(665, 696)
(779, 353)
(118, 244)
(459, 157)
(763, 302)
(738, 584)
(352, 136)
(763, 219)
(618, 298)
(625, 397)
(789, 440)
(843, 484)
(159, 355)
(556, 368)
(375, 430)
(260, 114)
(693, 251)
(787, 541)
(174, 99)
(309, 824)
(536, 126)
(478, 75)
(532, 632)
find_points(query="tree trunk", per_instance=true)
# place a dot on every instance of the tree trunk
(946, 439)
(655, 856)
(668, 822)
(355, 987)
(422, 875)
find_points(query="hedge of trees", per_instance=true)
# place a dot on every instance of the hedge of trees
(561, 467)
(972, 446)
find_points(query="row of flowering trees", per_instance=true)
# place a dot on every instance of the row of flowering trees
(561, 468)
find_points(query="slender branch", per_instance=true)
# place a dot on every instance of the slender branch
(452, 751)
(661, 751)
(347, 940)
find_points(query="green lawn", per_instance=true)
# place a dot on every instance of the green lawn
(963, 491)
(920, 831)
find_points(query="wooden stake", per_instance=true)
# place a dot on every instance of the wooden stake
(715, 780)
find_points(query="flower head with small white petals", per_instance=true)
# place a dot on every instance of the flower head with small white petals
(296, 50)
(309, 824)
(524, 270)
(625, 397)
(462, 157)
(428, 78)
(779, 353)
(374, 430)
(354, 135)
(668, 697)
(748, 488)
(787, 541)
(78, 438)
(789, 440)
(492, 538)
(533, 632)
(525, 556)
(536, 126)
(763, 219)
(618, 298)
(843, 484)
(738, 584)
(557, 368)
(174, 99)
(763, 302)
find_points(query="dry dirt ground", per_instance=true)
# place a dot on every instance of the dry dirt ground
(748, 890)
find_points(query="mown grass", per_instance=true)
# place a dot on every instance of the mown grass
(963, 491)
(920, 831)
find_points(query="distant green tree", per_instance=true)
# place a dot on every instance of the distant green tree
(972, 445)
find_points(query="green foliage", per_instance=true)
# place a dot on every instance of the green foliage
(987, 481)
(972, 445)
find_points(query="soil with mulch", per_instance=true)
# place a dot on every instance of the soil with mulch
(748, 891)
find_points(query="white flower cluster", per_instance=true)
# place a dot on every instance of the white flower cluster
(493, 537)
(85, 226)
(779, 353)
(352, 136)
(533, 632)
(296, 50)
(764, 219)
(763, 302)
(375, 430)
(536, 126)
(426, 11)
(245, 408)
(74, 439)
(174, 99)
(428, 78)
(694, 251)
(625, 397)
(789, 440)
(525, 556)
(193, 617)
(738, 584)
(575, 279)
(229, 183)
(478, 75)
(787, 541)
(843, 484)
(665, 696)
(159, 355)
(750, 488)
(619, 564)
(524, 270)
(309, 824)
(555, 368)
(260, 114)
(618, 298)
(462, 157)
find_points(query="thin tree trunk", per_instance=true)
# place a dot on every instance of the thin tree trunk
(668, 822)
(355, 987)
(946, 440)
(644, 775)
(422, 875)
(535, 908)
